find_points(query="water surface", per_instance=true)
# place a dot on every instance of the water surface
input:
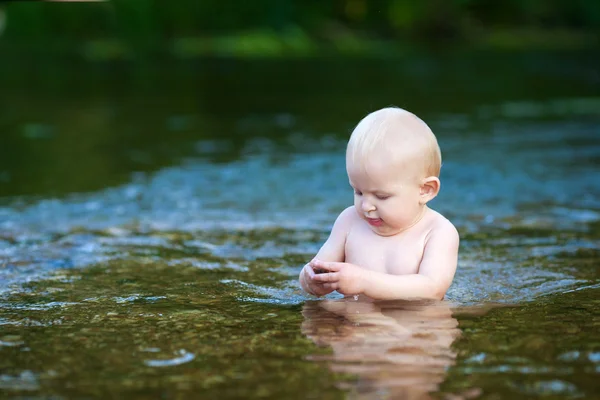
(154, 220)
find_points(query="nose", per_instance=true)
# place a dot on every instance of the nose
(367, 206)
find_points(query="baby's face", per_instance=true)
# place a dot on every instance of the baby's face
(386, 197)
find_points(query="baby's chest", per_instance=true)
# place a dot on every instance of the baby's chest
(398, 256)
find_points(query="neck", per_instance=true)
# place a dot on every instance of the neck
(418, 218)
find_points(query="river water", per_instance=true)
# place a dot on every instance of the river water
(154, 218)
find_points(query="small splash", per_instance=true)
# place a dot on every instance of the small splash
(185, 357)
(355, 297)
(138, 297)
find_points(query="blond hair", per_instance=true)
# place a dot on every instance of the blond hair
(398, 133)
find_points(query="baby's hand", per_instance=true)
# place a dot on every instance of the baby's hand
(315, 288)
(347, 279)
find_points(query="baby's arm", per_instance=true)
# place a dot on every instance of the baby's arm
(435, 275)
(332, 250)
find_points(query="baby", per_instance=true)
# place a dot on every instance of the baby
(389, 244)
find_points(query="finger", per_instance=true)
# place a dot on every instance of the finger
(332, 285)
(328, 277)
(328, 265)
(310, 271)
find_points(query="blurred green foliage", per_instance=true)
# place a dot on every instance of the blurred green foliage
(387, 18)
(278, 26)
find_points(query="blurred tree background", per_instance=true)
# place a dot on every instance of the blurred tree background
(283, 27)
(118, 86)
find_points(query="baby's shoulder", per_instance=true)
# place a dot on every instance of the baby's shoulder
(440, 225)
(348, 216)
(345, 220)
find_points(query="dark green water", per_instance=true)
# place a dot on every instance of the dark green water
(154, 218)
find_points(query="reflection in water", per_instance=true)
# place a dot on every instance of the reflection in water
(398, 349)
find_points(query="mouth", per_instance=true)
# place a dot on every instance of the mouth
(375, 221)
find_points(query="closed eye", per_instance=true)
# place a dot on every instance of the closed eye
(357, 192)
(382, 196)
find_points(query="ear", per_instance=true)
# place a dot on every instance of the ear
(430, 187)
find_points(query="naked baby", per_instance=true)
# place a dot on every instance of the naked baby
(389, 244)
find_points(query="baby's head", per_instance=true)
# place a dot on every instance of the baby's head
(393, 162)
(398, 138)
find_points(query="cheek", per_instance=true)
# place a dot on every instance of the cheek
(396, 208)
